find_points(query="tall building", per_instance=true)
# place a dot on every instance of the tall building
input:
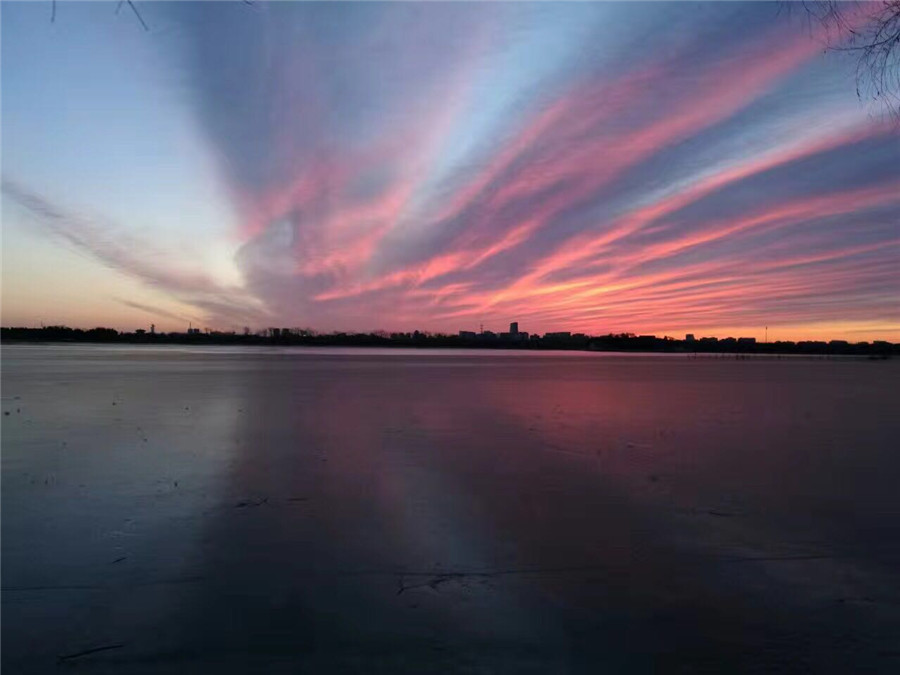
(514, 328)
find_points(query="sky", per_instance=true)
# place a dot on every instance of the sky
(654, 168)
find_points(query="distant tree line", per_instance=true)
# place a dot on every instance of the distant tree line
(621, 342)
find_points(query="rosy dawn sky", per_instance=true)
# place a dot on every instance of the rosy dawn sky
(601, 167)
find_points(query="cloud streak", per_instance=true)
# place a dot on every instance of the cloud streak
(116, 249)
(596, 167)
(587, 209)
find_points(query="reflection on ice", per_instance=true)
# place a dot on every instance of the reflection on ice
(339, 511)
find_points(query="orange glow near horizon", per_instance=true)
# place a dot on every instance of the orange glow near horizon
(712, 186)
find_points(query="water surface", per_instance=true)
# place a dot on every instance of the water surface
(344, 510)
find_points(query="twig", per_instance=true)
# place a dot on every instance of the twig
(250, 502)
(92, 650)
(777, 558)
(138, 15)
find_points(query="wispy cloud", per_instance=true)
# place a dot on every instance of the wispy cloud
(154, 311)
(117, 249)
(590, 208)
(436, 166)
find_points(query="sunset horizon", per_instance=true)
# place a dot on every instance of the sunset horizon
(770, 334)
(498, 337)
(404, 167)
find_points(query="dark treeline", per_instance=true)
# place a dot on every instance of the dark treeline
(487, 340)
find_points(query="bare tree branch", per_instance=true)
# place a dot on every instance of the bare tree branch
(875, 39)
(137, 14)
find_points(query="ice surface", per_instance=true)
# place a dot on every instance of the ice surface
(215, 510)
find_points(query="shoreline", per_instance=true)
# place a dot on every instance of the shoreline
(762, 353)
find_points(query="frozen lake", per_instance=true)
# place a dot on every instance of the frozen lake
(261, 510)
